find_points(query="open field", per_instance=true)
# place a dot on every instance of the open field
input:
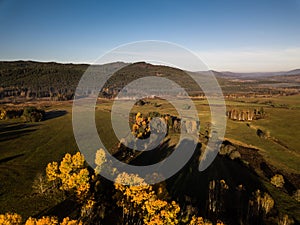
(26, 148)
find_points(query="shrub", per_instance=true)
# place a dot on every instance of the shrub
(10, 113)
(297, 195)
(260, 133)
(157, 104)
(32, 114)
(2, 114)
(277, 180)
(140, 102)
(235, 155)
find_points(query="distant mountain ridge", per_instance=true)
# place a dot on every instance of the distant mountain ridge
(256, 74)
(58, 81)
(228, 74)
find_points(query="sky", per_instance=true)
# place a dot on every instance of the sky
(239, 36)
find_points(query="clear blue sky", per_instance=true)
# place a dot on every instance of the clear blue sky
(257, 35)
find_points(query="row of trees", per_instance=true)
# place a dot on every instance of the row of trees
(246, 114)
(139, 202)
(141, 126)
(15, 219)
(28, 113)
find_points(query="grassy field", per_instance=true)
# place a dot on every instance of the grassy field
(26, 148)
(281, 124)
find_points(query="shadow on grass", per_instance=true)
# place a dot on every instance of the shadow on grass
(54, 114)
(15, 134)
(63, 209)
(190, 188)
(10, 158)
(11, 131)
(14, 126)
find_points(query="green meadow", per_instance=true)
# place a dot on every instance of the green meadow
(26, 148)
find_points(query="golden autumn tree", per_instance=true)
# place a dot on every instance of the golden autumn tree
(198, 221)
(160, 212)
(277, 180)
(141, 127)
(140, 201)
(262, 203)
(267, 203)
(103, 164)
(68, 221)
(131, 197)
(10, 219)
(100, 160)
(45, 220)
(16, 219)
(285, 220)
(70, 174)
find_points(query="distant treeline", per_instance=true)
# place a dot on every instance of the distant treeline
(28, 113)
(34, 80)
(39, 80)
(56, 81)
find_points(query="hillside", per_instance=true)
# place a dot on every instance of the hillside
(258, 74)
(26, 80)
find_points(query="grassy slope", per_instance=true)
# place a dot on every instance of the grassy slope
(281, 123)
(49, 141)
(25, 152)
(37, 144)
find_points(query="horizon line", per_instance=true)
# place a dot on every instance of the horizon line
(90, 64)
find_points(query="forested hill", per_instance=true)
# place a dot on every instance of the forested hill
(25, 80)
(28, 79)
(40, 79)
(36, 79)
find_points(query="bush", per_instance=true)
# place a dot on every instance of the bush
(277, 180)
(140, 102)
(10, 113)
(32, 114)
(235, 155)
(297, 195)
(157, 104)
(2, 114)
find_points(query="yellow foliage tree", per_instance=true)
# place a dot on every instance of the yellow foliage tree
(46, 220)
(277, 180)
(10, 219)
(198, 221)
(138, 198)
(285, 220)
(100, 160)
(267, 203)
(141, 127)
(161, 212)
(70, 174)
(264, 202)
(52, 171)
(68, 221)
(16, 219)
(130, 197)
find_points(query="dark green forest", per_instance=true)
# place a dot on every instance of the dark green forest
(25, 80)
